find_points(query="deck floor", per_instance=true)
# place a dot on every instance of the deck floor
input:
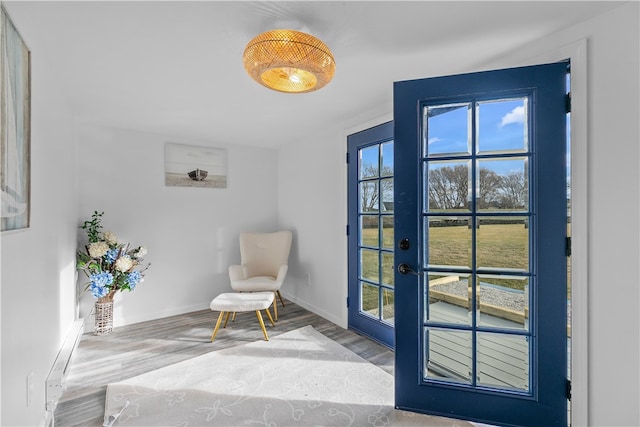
(503, 360)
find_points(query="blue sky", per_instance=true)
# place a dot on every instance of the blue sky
(500, 126)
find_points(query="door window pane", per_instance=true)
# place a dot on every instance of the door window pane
(368, 167)
(503, 242)
(387, 305)
(388, 272)
(448, 241)
(369, 235)
(503, 184)
(448, 354)
(503, 361)
(502, 126)
(448, 298)
(369, 197)
(369, 299)
(447, 185)
(387, 232)
(386, 193)
(503, 301)
(387, 159)
(369, 265)
(447, 129)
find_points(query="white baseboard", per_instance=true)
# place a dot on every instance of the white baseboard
(56, 380)
(330, 317)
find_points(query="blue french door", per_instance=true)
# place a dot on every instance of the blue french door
(371, 233)
(481, 231)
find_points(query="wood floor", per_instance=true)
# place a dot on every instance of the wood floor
(135, 349)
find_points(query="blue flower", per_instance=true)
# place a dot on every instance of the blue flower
(133, 279)
(100, 283)
(99, 291)
(112, 255)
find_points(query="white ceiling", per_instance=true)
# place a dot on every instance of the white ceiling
(175, 68)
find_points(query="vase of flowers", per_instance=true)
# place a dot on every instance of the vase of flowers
(110, 266)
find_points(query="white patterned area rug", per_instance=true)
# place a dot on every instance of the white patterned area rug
(299, 378)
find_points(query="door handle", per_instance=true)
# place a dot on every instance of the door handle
(405, 268)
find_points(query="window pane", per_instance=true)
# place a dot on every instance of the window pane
(369, 235)
(387, 305)
(503, 184)
(369, 299)
(386, 190)
(369, 197)
(448, 354)
(369, 265)
(448, 241)
(369, 162)
(448, 299)
(387, 232)
(447, 186)
(447, 131)
(387, 159)
(502, 126)
(387, 268)
(504, 301)
(503, 242)
(503, 361)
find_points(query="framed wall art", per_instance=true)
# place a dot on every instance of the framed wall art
(194, 166)
(15, 126)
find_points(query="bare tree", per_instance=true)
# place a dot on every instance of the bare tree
(513, 190)
(489, 188)
(448, 187)
(371, 191)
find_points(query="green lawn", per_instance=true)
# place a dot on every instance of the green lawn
(498, 246)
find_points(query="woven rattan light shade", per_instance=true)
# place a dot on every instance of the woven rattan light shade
(289, 61)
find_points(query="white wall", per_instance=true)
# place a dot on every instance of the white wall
(37, 265)
(312, 200)
(191, 233)
(611, 172)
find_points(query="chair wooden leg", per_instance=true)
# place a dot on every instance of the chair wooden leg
(269, 315)
(215, 330)
(233, 319)
(275, 309)
(280, 297)
(264, 330)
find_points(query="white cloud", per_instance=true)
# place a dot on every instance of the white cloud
(434, 139)
(515, 116)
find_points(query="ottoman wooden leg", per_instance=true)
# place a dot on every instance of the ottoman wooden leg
(227, 319)
(264, 330)
(269, 315)
(215, 330)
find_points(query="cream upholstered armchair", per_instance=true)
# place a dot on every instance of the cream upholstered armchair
(264, 258)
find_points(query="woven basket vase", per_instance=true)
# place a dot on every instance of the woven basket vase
(104, 318)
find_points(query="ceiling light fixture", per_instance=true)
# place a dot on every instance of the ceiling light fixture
(289, 61)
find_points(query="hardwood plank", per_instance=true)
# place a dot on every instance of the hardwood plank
(139, 348)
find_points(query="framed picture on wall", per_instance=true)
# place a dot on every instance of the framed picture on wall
(194, 166)
(15, 127)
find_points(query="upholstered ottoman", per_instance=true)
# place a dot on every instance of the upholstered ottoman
(236, 302)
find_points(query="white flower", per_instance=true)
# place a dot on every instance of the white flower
(140, 253)
(110, 238)
(124, 264)
(98, 249)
